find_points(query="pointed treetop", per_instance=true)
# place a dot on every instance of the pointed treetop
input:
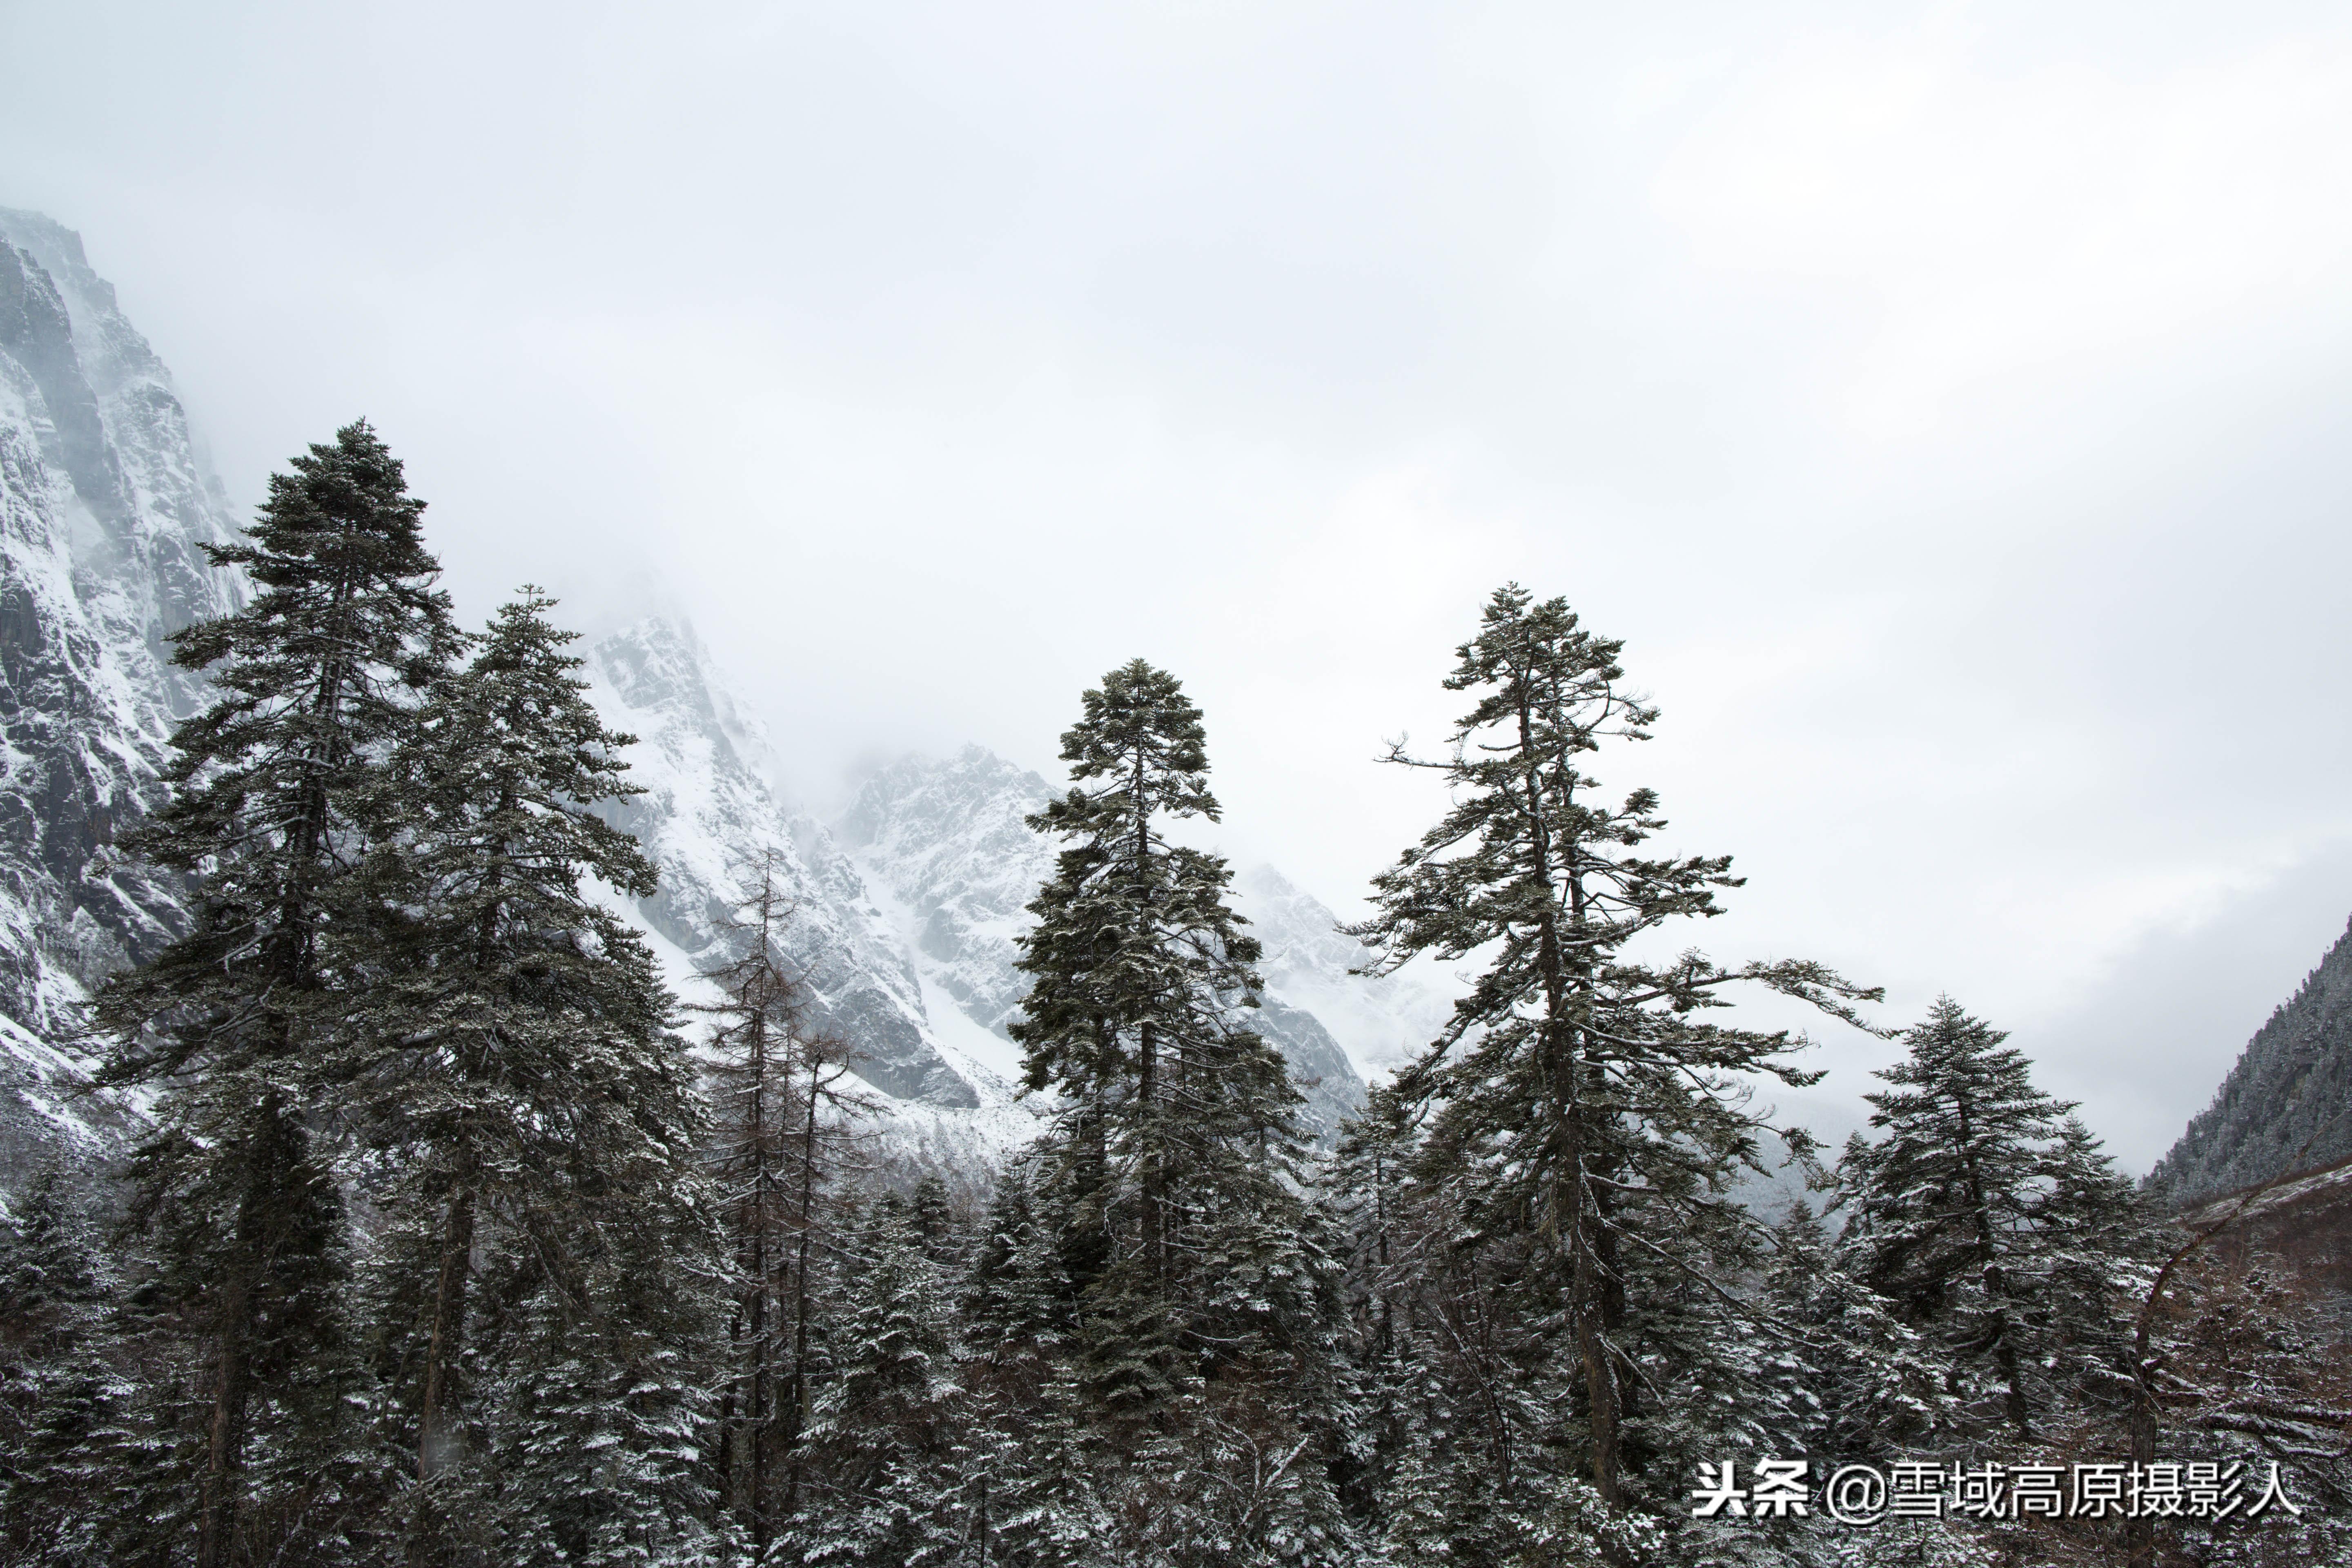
(337, 551)
(352, 486)
(1139, 715)
(1539, 659)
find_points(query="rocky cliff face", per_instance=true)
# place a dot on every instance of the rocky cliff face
(2287, 1104)
(105, 506)
(1381, 1023)
(946, 840)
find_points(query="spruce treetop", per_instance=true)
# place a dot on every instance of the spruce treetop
(509, 763)
(347, 589)
(1988, 1212)
(1142, 737)
(1962, 1112)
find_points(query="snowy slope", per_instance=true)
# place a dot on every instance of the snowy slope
(946, 838)
(707, 817)
(1381, 1023)
(104, 508)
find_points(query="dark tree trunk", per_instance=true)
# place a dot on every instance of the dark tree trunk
(447, 1338)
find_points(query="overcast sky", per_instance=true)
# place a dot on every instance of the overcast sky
(1948, 405)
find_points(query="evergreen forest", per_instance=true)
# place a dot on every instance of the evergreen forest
(457, 1240)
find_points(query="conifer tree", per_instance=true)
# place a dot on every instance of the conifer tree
(273, 802)
(1846, 1380)
(1991, 1219)
(1017, 1304)
(58, 1395)
(883, 1424)
(1937, 1201)
(753, 1128)
(932, 1214)
(2101, 1243)
(1584, 1122)
(1176, 1115)
(590, 1388)
(1028, 1488)
(1170, 1173)
(514, 1065)
(1366, 1192)
(1367, 1184)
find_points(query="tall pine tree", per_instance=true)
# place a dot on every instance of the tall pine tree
(273, 802)
(1201, 1290)
(1583, 1123)
(514, 1066)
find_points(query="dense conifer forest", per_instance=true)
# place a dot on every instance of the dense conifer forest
(458, 1239)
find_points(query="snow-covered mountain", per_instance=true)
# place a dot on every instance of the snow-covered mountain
(708, 818)
(906, 913)
(946, 840)
(105, 505)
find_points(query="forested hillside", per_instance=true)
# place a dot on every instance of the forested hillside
(2286, 1105)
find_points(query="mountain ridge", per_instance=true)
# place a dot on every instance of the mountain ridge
(2286, 1103)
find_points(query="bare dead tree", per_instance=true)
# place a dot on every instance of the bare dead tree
(785, 1137)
